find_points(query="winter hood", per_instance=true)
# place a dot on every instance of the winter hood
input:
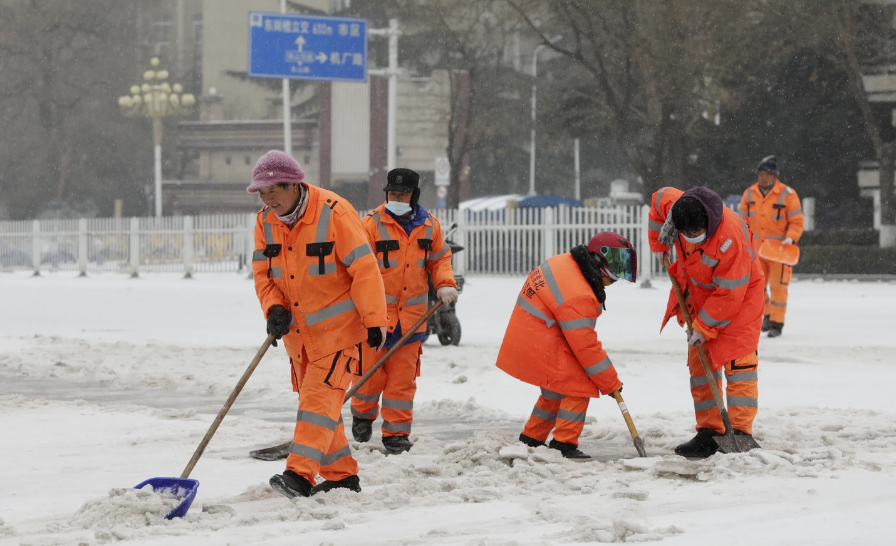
(713, 205)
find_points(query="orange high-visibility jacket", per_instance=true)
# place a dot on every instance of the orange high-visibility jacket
(550, 341)
(777, 215)
(722, 279)
(406, 262)
(323, 271)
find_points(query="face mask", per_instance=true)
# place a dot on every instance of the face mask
(695, 240)
(398, 208)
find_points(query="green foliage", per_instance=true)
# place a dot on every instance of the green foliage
(840, 237)
(807, 117)
(847, 260)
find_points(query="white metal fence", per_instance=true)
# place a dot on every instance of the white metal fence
(502, 242)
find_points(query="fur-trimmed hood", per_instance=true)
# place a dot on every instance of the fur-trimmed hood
(590, 271)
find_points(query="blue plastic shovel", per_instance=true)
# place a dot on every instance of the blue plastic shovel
(183, 488)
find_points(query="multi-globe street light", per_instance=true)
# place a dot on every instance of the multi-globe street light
(156, 99)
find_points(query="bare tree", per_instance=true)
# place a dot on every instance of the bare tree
(63, 64)
(643, 71)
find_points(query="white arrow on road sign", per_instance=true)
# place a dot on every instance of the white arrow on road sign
(300, 41)
(322, 57)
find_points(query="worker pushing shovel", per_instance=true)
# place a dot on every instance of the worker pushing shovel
(718, 293)
(551, 342)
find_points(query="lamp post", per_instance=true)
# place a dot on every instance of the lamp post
(532, 132)
(156, 99)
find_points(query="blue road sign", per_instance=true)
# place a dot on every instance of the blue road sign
(305, 47)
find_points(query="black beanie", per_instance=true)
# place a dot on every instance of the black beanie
(768, 164)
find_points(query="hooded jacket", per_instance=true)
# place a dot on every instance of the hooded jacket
(720, 277)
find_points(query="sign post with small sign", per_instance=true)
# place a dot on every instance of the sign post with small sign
(443, 180)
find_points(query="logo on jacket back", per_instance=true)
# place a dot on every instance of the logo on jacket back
(726, 245)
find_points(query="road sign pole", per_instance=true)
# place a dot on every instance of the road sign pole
(287, 103)
(578, 172)
(393, 92)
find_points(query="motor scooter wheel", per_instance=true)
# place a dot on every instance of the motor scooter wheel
(450, 329)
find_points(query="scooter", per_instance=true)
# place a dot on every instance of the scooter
(444, 323)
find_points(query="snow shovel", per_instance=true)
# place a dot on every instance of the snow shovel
(183, 488)
(728, 442)
(282, 451)
(639, 444)
(776, 251)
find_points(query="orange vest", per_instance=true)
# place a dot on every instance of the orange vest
(777, 215)
(722, 279)
(407, 262)
(323, 271)
(550, 341)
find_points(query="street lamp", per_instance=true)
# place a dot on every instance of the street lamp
(532, 133)
(156, 99)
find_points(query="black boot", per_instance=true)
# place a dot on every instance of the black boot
(362, 429)
(775, 329)
(700, 446)
(291, 485)
(765, 323)
(569, 451)
(397, 444)
(529, 441)
(352, 483)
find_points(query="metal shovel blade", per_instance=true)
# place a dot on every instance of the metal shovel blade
(734, 443)
(272, 453)
(183, 489)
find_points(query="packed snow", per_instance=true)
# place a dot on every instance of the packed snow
(106, 381)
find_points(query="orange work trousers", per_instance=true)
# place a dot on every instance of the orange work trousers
(396, 381)
(319, 444)
(565, 415)
(742, 393)
(778, 276)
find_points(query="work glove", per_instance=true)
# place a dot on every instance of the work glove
(661, 255)
(376, 337)
(694, 337)
(448, 295)
(787, 241)
(278, 322)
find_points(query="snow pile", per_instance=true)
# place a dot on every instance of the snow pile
(124, 509)
(6, 531)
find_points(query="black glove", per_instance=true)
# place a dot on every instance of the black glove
(374, 337)
(278, 322)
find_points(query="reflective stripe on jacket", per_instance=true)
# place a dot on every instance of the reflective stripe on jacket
(777, 215)
(550, 341)
(406, 262)
(323, 271)
(722, 279)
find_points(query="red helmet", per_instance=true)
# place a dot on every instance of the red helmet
(615, 256)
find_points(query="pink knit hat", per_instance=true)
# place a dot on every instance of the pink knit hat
(275, 167)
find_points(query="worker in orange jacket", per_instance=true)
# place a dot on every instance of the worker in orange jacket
(720, 277)
(410, 251)
(773, 211)
(551, 343)
(322, 293)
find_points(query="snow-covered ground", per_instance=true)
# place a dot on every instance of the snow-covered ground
(106, 381)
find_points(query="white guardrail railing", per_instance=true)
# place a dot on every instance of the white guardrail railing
(501, 242)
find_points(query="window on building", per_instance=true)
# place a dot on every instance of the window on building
(161, 36)
(227, 160)
(248, 160)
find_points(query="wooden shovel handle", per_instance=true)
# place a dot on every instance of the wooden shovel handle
(411, 331)
(704, 360)
(636, 438)
(230, 400)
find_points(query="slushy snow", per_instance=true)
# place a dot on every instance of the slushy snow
(96, 400)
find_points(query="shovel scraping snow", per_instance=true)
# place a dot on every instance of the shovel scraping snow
(184, 489)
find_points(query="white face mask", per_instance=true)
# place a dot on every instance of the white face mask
(695, 240)
(398, 208)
